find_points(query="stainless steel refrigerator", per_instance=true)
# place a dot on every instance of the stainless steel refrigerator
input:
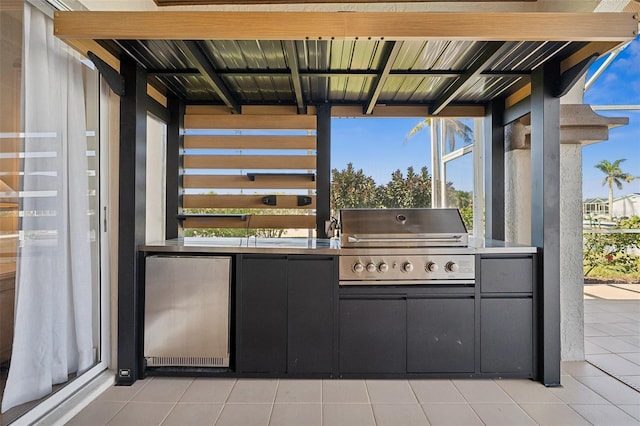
(186, 320)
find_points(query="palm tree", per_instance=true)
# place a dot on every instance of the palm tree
(452, 128)
(613, 175)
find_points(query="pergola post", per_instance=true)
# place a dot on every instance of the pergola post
(323, 168)
(545, 212)
(175, 147)
(131, 218)
(494, 170)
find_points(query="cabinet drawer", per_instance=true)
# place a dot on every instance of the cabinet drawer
(508, 275)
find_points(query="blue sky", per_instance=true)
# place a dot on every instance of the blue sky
(618, 85)
(378, 145)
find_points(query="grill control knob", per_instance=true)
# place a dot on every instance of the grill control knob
(407, 267)
(371, 267)
(383, 267)
(358, 267)
(451, 267)
(431, 267)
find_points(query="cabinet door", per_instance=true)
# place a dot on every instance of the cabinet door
(373, 336)
(440, 335)
(311, 286)
(262, 334)
(506, 329)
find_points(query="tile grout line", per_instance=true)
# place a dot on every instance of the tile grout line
(125, 402)
(321, 402)
(176, 403)
(273, 403)
(366, 387)
(224, 403)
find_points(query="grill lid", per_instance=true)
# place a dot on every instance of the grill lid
(402, 228)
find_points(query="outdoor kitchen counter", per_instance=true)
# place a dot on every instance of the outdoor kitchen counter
(482, 246)
(303, 246)
(246, 245)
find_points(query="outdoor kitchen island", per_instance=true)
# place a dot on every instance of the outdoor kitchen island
(291, 317)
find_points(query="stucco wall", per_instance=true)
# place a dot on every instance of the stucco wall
(571, 274)
(518, 230)
(518, 196)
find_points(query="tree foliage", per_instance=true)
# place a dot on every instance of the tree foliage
(411, 191)
(612, 249)
(351, 188)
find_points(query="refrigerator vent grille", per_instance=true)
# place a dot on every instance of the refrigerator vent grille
(184, 361)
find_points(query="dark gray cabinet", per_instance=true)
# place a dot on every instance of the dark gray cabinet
(373, 335)
(285, 314)
(311, 286)
(262, 324)
(506, 333)
(507, 316)
(440, 335)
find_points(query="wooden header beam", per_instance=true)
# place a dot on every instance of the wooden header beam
(234, 2)
(486, 26)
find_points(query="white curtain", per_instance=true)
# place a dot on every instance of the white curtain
(53, 322)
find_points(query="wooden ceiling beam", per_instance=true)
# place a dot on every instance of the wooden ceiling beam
(484, 26)
(234, 2)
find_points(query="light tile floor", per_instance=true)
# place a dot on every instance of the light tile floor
(612, 330)
(588, 394)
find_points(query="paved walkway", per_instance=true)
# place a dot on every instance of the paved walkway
(612, 330)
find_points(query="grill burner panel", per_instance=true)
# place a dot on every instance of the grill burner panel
(407, 267)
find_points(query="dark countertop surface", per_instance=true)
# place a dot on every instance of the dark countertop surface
(310, 246)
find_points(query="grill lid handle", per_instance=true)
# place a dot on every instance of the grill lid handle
(356, 239)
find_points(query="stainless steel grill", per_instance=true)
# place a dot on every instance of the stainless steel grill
(404, 247)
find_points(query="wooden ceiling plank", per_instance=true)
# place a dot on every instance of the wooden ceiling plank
(486, 26)
(408, 111)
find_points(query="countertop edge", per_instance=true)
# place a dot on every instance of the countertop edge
(239, 246)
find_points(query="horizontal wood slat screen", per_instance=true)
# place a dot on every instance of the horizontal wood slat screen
(243, 182)
(263, 122)
(250, 142)
(244, 201)
(231, 162)
(280, 162)
(253, 222)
